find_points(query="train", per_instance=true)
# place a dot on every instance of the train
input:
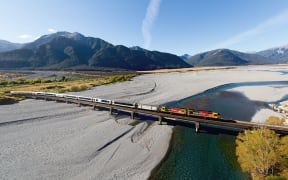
(162, 108)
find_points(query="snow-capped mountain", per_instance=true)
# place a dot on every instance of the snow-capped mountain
(279, 54)
(49, 37)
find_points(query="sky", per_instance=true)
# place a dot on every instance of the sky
(178, 27)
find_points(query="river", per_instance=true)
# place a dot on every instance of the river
(210, 155)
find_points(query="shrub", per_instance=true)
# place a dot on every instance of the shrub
(83, 87)
(3, 82)
(275, 178)
(74, 88)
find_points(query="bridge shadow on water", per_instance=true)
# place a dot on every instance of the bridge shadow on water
(204, 128)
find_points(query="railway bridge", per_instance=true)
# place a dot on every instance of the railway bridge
(233, 125)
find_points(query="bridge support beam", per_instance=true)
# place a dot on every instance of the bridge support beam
(111, 110)
(197, 126)
(133, 115)
(160, 119)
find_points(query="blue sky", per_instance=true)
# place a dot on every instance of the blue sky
(184, 26)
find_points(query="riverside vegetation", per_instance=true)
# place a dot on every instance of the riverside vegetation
(263, 153)
(77, 82)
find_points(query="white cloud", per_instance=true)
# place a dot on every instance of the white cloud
(51, 30)
(277, 20)
(147, 23)
(25, 36)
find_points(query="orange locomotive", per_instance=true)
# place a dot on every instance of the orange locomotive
(190, 112)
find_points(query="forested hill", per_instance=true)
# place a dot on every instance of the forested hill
(64, 50)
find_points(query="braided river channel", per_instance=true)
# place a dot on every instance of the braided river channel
(210, 154)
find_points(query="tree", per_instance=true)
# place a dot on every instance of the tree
(283, 153)
(257, 152)
(273, 120)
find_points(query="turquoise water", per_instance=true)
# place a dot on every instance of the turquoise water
(205, 155)
(200, 156)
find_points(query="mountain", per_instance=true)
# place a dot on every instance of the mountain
(226, 57)
(125, 58)
(50, 37)
(279, 54)
(8, 46)
(64, 50)
(137, 48)
(185, 57)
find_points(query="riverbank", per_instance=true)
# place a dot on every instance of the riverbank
(68, 142)
(74, 82)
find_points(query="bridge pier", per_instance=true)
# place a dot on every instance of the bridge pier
(133, 115)
(111, 110)
(160, 119)
(197, 126)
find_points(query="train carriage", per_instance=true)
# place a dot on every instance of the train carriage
(85, 98)
(125, 104)
(173, 110)
(147, 107)
(103, 101)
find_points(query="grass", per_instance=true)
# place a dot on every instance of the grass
(55, 85)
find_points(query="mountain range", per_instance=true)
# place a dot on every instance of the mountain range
(279, 54)
(8, 46)
(65, 50)
(227, 57)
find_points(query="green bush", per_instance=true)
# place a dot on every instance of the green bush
(75, 88)
(20, 81)
(3, 82)
(83, 87)
(275, 178)
(37, 80)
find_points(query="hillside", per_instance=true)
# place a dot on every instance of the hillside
(279, 54)
(64, 50)
(8, 46)
(226, 57)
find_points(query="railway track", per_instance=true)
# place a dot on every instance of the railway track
(162, 117)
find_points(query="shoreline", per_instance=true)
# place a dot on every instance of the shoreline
(158, 166)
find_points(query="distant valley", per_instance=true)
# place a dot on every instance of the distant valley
(74, 51)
